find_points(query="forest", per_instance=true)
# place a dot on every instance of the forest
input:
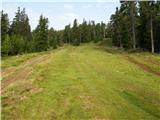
(133, 26)
(88, 70)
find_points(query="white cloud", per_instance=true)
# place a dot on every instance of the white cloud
(67, 6)
(106, 1)
(87, 6)
(33, 17)
(100, 0)
(64, 19)
(71, 15)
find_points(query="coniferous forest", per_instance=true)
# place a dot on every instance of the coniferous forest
(135, 25)
(78, 68)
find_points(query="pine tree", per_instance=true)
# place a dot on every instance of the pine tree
(4, 25)
(84, 29)
(93, 30)
(75, 33)
(103, 29)
(52, 38)
(20, 26)
(41, 35)
(67, 34)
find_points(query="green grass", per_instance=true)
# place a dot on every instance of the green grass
(150, 60)
(16, 60)
(83, 83)
(13, 61)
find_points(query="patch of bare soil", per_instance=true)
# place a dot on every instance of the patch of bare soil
(34, 60)
(87, 101)
(142, 66)
(7, 71)
(17, 96)
(24, 71)
(22, 75)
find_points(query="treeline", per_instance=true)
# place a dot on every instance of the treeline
(136, 25)
(17, 37)
(85, 32)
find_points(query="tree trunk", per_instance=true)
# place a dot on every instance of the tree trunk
(121, 44)
(80, 37)
(104, 33)
(120, 41)
(94, 34)
(152, 40)
(133, 24)
(69, 37)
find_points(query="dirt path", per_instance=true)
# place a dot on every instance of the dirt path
(142, 66)
(32, 61)
(22, 75)
(22, 72)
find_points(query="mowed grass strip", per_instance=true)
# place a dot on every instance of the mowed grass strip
(85, 83)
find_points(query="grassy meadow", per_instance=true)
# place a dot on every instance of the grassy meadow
(87, 82)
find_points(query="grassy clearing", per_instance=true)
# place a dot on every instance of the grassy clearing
(86, 82)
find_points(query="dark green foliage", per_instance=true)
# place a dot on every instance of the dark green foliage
(99, 36)
(41, 35)
(18, 44)
(4, 25)
(59, 38)
(6, 45)
(156, 28)
(52, 38)
(20, 25)
(93, 30)
(75, 33)
(136, 25)
(67, 34)
(85, 32)
(17, 38)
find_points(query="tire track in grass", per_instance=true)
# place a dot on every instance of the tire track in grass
(142, 66)
(8, 71)
(22, 72)
(86, 97)
(22, 75)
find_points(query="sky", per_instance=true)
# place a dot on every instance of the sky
(62, 12)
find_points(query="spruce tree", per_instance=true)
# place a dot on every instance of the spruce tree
(75, 33)
(41, 35)
(4, 25)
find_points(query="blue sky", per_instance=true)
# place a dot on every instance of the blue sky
(62, 12)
